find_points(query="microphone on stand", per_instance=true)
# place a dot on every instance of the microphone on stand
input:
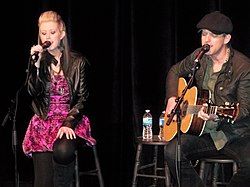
(44, 45)
(205, 48)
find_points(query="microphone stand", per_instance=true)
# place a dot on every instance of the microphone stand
(177, 111)
(11, 114)
(14, 140)
(13, 111)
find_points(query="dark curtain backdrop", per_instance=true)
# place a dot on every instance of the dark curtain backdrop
(130, 45)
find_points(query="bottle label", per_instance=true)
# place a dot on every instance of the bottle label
(147, 121)
(161, 122)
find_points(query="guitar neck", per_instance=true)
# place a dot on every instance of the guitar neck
(230, 112)
(194, 109)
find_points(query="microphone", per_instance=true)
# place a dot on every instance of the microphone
(44, 45)
(205, 48)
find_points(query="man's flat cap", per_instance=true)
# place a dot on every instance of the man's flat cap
(216, 22)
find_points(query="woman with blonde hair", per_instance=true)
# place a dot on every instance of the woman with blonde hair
(57, 83)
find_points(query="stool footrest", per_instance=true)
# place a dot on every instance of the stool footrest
(91, 172)
(151, 176)
(156, 169)
(146, 166)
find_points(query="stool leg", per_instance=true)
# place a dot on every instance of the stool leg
(166, 170)
(137, 163)
(215, 174)
(235, 168)
(155, 162)
(222, 173)
(77, 180)
(99, 173)
(202, 171)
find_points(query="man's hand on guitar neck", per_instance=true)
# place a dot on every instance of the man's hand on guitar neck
(204, 115)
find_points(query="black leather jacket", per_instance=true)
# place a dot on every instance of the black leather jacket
(232, 85)
(38, 86)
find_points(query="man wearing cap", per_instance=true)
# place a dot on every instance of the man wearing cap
(225, 73)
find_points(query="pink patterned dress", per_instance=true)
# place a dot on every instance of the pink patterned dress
(41, 134)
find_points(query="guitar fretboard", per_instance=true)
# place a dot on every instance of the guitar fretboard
(194, 109)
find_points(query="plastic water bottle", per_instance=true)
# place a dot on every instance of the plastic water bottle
(147, 123)
(161, 125)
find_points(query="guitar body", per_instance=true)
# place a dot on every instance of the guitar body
(190, 106)
(190, 97)
(188, 119)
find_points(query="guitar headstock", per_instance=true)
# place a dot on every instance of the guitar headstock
(228, 111)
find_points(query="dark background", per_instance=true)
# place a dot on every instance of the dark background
(130, 45)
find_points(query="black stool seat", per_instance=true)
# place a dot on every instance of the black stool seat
(157, 172)
(218, 168)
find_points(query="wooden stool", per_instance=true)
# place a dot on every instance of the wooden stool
(140, 168)
(218, 166)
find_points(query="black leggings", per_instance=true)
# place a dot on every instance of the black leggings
(44, 162)
(64, 151)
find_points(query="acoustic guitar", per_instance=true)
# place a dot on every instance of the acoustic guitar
(190, 106)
